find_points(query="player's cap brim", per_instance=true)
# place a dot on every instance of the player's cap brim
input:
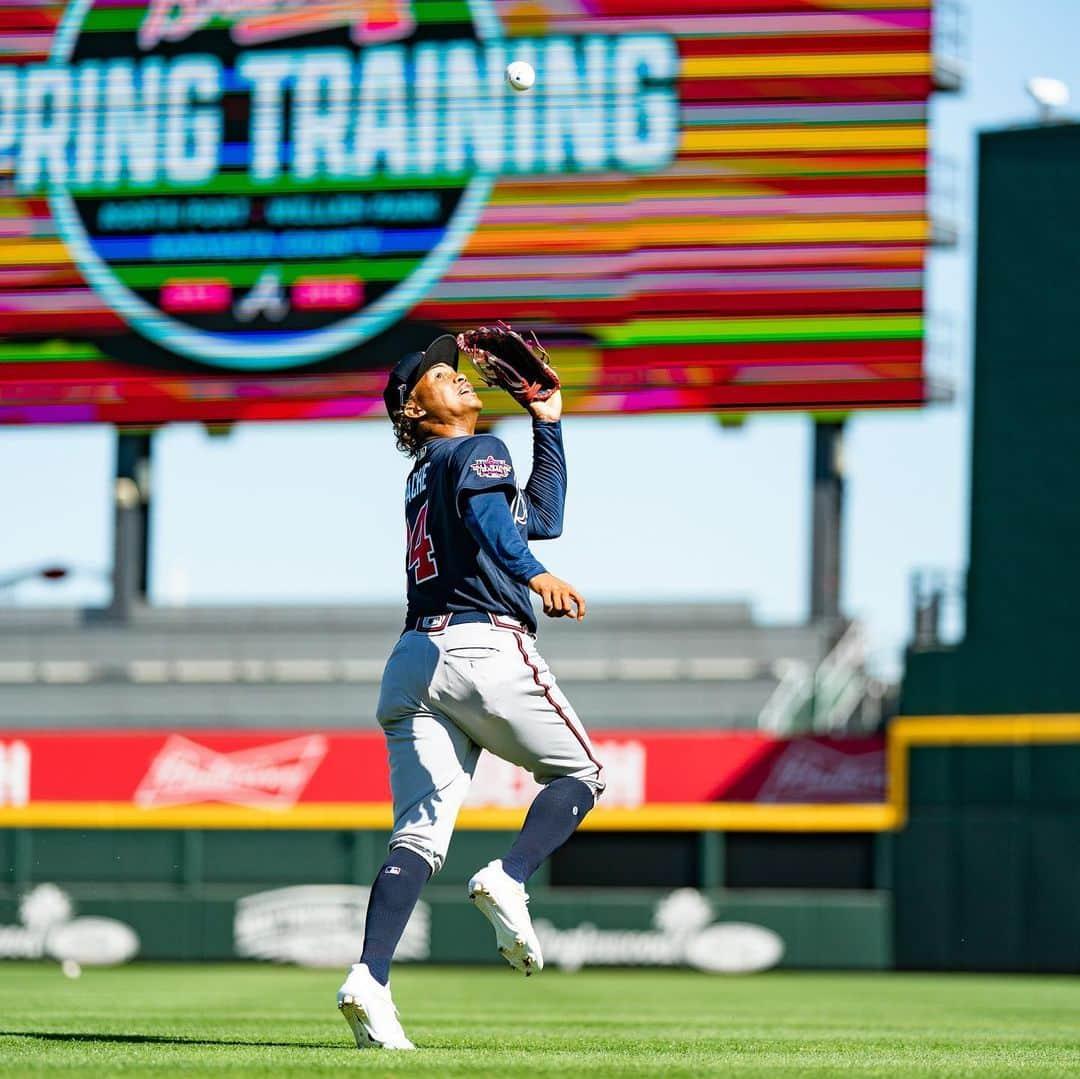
(413, 366)
(442, 350)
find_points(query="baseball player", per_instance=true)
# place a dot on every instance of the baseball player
(465, 674)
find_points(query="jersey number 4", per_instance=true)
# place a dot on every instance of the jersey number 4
(421, 550)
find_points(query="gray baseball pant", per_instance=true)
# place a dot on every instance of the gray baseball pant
(449, 692)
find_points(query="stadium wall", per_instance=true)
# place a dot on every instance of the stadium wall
(184, 893)
(987, 868)
(1019, 649)
(972, 863)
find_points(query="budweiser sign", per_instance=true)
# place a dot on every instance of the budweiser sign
(808, 771)
(264, 777)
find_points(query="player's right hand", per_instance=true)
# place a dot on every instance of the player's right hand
(561, 600)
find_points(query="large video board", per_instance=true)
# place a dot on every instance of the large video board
(247, 209)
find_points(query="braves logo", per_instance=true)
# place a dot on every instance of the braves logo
(491, 468)
(257, 21)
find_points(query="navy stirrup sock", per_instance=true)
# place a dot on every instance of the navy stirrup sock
(393, 896)
(553, 818)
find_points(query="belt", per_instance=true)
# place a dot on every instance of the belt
(436, 623)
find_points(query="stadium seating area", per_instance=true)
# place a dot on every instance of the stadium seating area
(677, 665)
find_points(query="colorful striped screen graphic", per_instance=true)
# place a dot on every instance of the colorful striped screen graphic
(224, 210)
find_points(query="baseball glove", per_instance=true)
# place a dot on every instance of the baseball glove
(506, 359)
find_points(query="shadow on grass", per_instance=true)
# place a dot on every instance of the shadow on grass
(161, 1039)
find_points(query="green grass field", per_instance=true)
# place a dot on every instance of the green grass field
(154, 1019)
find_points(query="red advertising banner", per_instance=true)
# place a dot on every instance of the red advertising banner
(335, 779)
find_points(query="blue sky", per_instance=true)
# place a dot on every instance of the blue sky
(659, 507)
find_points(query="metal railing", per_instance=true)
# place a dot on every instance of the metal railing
(944, 200)
(937, 604)
(941, 353)
(790, 703)
(950, 44)
(840, 682)
(836, 696)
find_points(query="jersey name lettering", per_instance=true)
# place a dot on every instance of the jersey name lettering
(417, 482)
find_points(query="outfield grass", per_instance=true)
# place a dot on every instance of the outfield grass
(154, 1019)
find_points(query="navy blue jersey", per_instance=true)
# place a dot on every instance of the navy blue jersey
(446, 568)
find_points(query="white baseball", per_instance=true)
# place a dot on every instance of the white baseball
(520, 75)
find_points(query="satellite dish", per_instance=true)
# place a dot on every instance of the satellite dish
(1049, 94)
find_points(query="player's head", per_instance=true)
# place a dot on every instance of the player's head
(425, 393)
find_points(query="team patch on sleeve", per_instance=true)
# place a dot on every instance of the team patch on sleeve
(491, 468)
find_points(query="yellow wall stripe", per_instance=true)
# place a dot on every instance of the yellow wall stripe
(905, 732)
(689, 816)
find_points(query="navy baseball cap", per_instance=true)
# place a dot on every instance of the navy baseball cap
(412, 367)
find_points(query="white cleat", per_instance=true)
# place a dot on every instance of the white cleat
(370, 1012)
(504, 902)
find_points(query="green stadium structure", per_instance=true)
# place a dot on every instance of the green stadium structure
(988, 868)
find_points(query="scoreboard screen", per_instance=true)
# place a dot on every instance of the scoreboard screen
(226, 210)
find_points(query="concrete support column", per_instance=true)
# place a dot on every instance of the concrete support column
(131, 517)
(827, 510)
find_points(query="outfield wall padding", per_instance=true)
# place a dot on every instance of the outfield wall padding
(846, 930)
(986, 873)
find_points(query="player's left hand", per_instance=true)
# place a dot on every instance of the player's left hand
(560, 598)
(550, 411)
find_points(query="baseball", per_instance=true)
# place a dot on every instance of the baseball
(520, 75)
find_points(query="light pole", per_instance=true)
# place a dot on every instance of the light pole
(9, 580)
